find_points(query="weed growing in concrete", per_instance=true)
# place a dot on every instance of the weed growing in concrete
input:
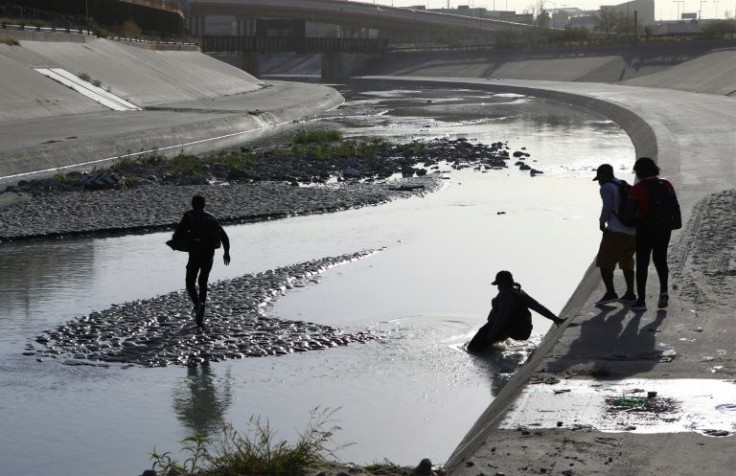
(9, 41)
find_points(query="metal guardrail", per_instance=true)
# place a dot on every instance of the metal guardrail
(22, 27)
(281, 44)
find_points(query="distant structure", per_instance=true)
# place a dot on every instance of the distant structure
(479, 12)
(154, 16)
(642, 9)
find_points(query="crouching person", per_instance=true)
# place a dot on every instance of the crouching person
(509, 316)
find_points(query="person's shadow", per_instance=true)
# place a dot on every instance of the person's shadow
(200, 404)
(613, 343)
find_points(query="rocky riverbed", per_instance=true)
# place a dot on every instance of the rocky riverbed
(161, 331)
(145, 196)
(150, 194)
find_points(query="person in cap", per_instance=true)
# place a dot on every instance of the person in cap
(509, 316)
(618, 242)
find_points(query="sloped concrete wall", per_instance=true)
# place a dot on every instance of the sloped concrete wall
(142, 76)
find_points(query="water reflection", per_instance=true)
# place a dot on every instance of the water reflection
(201, 400)
(42, 269)
(501, 362)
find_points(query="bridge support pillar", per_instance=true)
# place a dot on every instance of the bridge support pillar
(338, 66)
(250, 62)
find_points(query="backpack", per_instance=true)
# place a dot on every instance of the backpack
(623, 197)
(664, 210)
(520, 322)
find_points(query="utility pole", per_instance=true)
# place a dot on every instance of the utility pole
(716, 2)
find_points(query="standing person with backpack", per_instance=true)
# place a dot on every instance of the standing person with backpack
(203, 235)
(653, 206)
(509, 316)
(618, 242)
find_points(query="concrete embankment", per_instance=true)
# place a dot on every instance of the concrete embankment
(683, 66)
(603, 354)
(190, 102)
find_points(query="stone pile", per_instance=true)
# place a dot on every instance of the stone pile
(161, 331)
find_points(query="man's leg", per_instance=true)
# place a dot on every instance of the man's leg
(607, 275)
(191, 278)
(626, 264)
(205, 266)
(643, 253)
(606, 261)
(204, 276)
(659, 256)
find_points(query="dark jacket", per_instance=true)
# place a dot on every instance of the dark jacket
(203, 232)
(502, 307)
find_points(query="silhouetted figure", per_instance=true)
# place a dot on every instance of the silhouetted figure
(201, 400)
(618, 242)
(653, 206)
(203, 235)
(509, 316)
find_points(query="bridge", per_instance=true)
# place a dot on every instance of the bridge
(340, 12)
(283, 44)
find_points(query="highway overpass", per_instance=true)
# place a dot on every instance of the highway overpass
(341, 12)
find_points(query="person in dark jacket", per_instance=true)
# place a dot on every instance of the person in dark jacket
(509, 316)
(203, 234)
(652, 204)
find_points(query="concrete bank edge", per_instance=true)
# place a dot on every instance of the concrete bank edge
(645, 144)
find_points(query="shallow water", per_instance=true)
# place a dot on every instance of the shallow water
(406, 397)
(705, 406)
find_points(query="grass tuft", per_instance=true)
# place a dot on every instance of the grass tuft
(9, 41)
(255, 453)
(317, 136)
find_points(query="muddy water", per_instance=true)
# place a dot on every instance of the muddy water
(406, 397)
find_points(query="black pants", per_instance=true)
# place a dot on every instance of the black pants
(651, 242)
(198, 272)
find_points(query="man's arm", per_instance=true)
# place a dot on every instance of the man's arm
(608, 197)
(532, 304)
(225, 246)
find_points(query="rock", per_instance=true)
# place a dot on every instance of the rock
(424, 468)
(351, 172)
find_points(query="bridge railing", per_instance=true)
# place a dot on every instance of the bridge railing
(282, 44)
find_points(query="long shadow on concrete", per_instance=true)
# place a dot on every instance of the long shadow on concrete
(613, 343)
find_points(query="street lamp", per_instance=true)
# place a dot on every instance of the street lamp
(716, 2)
(678, 2)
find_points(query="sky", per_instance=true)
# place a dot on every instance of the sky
(663, 9)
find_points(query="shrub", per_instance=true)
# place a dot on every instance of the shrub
(9, 41)
(317, 136)
(254, 453)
